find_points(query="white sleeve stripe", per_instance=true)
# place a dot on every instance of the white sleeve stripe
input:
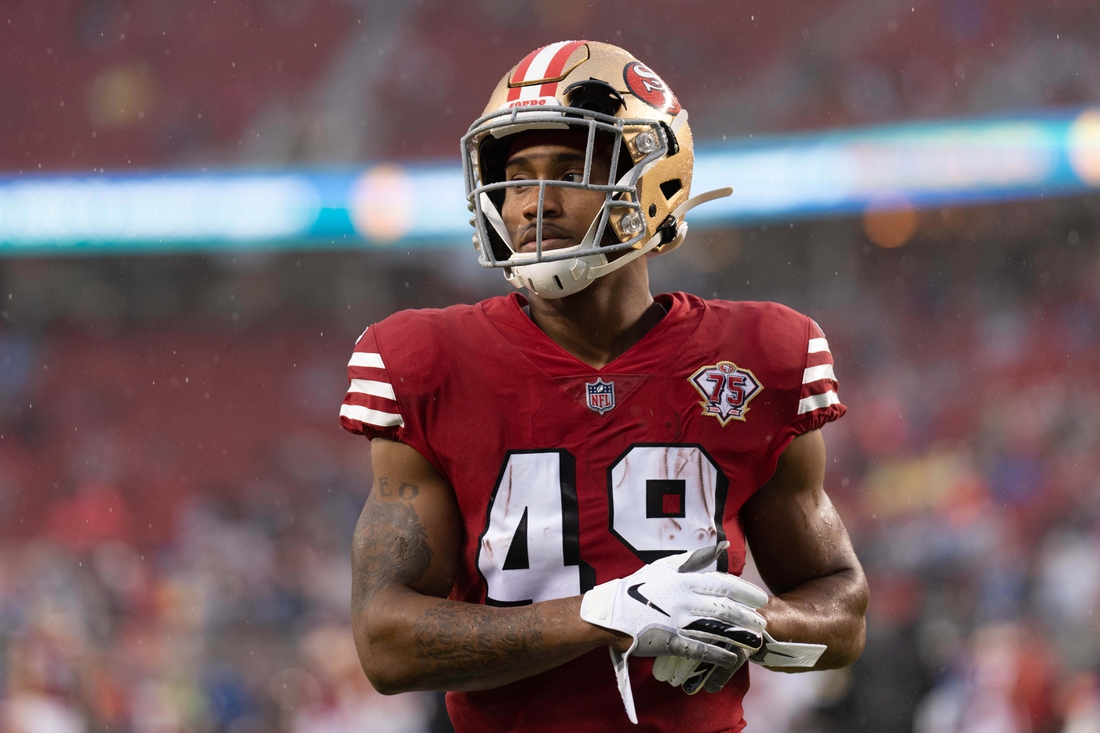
(372, 417)
(817, 345)
(365, 359)
(371, 387)
(817, 401)
(815, 373)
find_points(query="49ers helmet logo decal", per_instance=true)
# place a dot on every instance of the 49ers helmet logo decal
(726, 389)
(644, 84)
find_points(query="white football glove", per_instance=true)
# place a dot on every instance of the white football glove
(672, 609)
(742, 641)
(694, 675)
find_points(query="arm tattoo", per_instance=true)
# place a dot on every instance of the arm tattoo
(405, 490)
(451, 641)
(390, 546)
(455, 641)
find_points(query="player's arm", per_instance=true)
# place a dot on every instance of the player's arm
(804, 555)
(405, 554)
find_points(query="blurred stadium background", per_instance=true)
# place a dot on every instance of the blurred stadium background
(203, 203)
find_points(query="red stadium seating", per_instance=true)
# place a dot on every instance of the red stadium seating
(108, 83)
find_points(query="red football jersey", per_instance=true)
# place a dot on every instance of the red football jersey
(568, 476)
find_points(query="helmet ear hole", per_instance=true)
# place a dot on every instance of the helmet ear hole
(671, 188)
(595, 96)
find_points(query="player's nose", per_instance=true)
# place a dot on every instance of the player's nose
(551, 203)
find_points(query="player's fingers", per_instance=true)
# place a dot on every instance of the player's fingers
(691, 649)
(703, 558)
(730, 586)
(726, 636)
(741, 615)
(696, 681)
(682, 669)
(730, 613)
(713, 584)
(719, 677)
(664, 668)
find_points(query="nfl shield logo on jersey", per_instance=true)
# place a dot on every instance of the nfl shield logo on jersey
(601, 395)
(726, 390)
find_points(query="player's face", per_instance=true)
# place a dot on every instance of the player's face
(567, 212)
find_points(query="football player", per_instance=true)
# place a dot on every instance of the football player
(578, 470)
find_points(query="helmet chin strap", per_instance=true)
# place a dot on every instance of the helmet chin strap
(703, 198)
(494, 218)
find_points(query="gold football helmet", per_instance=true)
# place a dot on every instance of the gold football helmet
(609, 95)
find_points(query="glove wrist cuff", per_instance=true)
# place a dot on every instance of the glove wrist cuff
(598, 604)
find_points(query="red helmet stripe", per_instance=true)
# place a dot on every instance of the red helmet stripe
(556, 65)
(520, 72)
(546, 62)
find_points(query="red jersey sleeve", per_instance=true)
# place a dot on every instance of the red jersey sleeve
(818, 401)
(370, 406)
(804, 378)
(391, 385)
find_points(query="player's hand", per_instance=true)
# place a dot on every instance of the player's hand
(694, 675)
(743, 642)
(673, 611)
(669, 608)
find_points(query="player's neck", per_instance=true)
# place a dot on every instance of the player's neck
(601, 322)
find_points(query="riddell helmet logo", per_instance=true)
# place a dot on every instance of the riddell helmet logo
(644, 84)
(726, 390)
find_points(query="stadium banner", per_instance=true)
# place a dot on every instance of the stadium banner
(775, 178)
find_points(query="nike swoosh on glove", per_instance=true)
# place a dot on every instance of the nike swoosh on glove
(671, 609)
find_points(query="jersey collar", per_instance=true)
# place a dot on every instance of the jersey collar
(661, 344)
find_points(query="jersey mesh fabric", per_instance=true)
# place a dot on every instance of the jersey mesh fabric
(503, 413)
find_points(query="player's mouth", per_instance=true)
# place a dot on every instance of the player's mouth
(552, 238)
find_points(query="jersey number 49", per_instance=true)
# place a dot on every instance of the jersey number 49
(662, 499)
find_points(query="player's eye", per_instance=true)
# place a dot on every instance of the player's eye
(573, 176)
(519, 177)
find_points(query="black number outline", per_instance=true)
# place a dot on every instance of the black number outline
(570, 522)
(721, 489)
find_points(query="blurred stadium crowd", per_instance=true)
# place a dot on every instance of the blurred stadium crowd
(176, 497)
(117, 84)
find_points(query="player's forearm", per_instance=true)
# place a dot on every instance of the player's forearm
(408, 641)
(828, 610)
